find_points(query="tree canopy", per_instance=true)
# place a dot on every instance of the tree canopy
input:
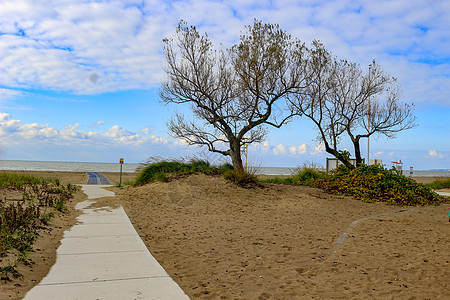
(343, 100)
(266, 78)
(231, 92)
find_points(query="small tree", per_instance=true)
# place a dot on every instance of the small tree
(370, 104)
(340, 98)
(314, 101)
(233, 91)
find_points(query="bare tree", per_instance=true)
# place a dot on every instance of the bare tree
(314, 101)
(232, 92)
(370, 104)
(341, 99)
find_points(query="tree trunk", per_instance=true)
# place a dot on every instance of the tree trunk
(357, 147)
(339, 156)
(236, 158)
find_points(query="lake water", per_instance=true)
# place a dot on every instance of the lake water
(21, 165)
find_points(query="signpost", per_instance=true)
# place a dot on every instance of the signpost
(121, 164)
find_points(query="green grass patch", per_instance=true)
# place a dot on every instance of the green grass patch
(164, 170)
(18, 181)
(305, 176)
(439, 184)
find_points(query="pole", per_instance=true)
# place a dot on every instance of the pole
(121, 164)
(368, 136)
(368, 162)
(120, 183)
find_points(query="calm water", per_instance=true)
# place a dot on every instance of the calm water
(65, 166)
(129, 168)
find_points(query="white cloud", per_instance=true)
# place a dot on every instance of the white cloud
(91, 47)
(318, 149)
(159, 140)
(97, 124)
(279, 149)
(8, 93)
(301, 149)
(181, 142)
(14, 130)
(145, 131)
(434, 154)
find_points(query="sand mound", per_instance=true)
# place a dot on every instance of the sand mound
(221, 241)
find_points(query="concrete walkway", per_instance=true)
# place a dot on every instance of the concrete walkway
(444, 194)
(104, 258)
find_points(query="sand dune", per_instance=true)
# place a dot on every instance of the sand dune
(280, 242)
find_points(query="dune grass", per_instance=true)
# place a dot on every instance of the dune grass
(439, 184)
(166, 169)
(304, 176)
(22, 217)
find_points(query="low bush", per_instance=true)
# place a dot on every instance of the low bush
(377, 184)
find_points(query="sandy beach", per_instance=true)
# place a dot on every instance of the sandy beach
(219, 241)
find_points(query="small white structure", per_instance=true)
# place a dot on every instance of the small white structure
(333, 163)
(398, 165)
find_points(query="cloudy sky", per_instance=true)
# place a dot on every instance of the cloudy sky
(79, 79)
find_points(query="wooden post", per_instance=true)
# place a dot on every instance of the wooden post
(121, 164)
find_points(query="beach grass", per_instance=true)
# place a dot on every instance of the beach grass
(303, 176)
(166, 169)
(439, 184)
(28, 203)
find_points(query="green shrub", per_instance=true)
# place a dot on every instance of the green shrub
(376, 184)
(307, 175)
(224, 168)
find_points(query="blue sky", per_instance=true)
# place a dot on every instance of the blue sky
(79, 79)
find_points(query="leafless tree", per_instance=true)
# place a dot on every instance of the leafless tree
(342, 99)
(232, 92)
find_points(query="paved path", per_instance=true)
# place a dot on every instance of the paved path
(104, 258)
(444, 194)
(95, 178)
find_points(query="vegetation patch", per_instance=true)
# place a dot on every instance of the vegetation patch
(242, 179)
(377, 184)
(27, 204)
(439, 184)
(369, 184)
(303, 176)
(164, 170)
